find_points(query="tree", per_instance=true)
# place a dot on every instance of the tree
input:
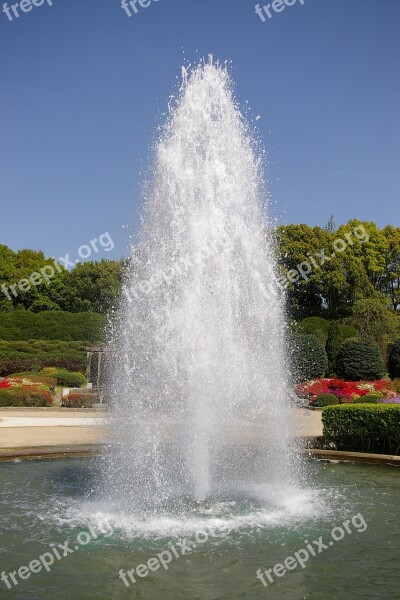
(391, 282)
(94, 287)
(333, 343)
(373, 317)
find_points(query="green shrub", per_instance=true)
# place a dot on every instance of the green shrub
(325, 400)
(78, 401)
(70, 379)
(368, 399)
(363, 427)
(308, 358)
(359, 359)
(394, 360)
(24, 398)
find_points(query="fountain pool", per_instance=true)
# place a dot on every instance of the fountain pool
(45, 502)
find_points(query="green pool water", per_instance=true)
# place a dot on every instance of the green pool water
(52, 502)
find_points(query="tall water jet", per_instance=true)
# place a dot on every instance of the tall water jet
(200, 397)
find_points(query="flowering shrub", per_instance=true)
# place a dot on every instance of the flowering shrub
(14, 396)
(390, 401)
(345, 391)
(78, 401)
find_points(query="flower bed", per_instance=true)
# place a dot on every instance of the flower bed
(345, 391)
(23, 391)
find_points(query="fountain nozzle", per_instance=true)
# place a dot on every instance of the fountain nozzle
(200, 504)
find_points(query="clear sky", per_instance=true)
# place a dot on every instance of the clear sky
(84, 88)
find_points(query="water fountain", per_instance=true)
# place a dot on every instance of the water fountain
(199, 361)
(200, 412)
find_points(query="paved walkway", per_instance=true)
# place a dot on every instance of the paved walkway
(31, 428)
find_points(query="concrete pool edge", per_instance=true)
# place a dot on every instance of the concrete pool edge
(40, 452)
(82, 451)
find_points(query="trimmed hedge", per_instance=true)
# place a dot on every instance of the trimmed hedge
(394, 360)
(23, 398)
(11, 362)
(325, 400)
(308, 358)
(363, 428)
(51, 325)
(359, 360)
(33, 355)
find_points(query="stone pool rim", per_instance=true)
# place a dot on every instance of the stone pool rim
(82, 451)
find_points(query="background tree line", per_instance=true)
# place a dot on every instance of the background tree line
(359, 286)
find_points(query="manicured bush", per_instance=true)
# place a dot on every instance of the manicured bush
(367, 399)
(49, 371)
(394, 360)
(69, 379)
(325, 400)
(359, 359)
(79, 401)
(308, 358)
(363, 427)
(24, 398)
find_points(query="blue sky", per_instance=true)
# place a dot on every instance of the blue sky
(84, 88)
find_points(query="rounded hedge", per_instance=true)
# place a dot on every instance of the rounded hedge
(68, 379)
(359, 359)
(325, 400)
(308, 358)
(367, 399)
(394, 360)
